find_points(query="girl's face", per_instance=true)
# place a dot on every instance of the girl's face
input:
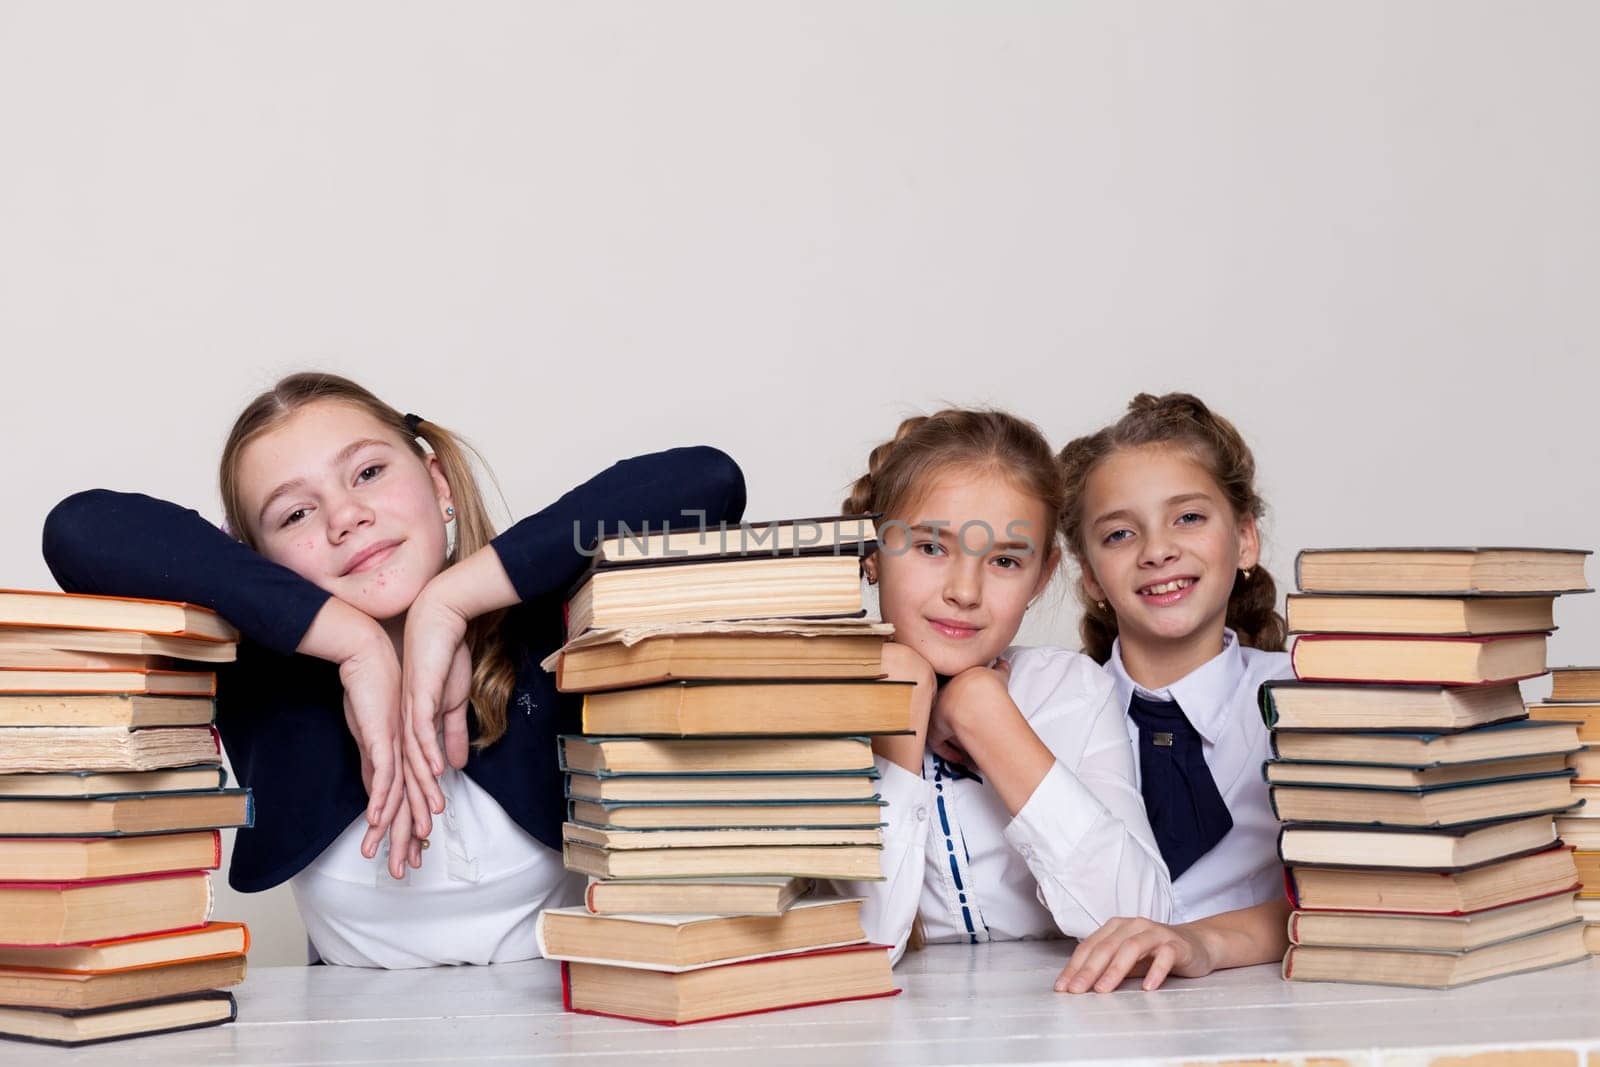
(1163, 545)
(339, 499)
(955, 575)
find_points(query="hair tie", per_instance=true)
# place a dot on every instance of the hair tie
(414, 424)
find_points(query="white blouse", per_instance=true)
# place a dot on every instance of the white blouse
(482, 883)
(1219, 698)
(1079, 852)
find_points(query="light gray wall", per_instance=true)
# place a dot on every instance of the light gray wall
(1367, 231)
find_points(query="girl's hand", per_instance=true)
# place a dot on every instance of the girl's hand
(965, 703)
(370, 674)
(901, 663)
(1124, 947)
(437, 685)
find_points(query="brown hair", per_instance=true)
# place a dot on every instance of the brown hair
(493, 674)
(925, 445)
(1179, 420)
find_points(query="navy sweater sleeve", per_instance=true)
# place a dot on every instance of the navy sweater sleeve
(541, 553)
(128, 544)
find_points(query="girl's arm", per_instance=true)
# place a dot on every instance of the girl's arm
(540, 556)
(129, 544)
(1123, 947)
(1078, 822)
(889, 907)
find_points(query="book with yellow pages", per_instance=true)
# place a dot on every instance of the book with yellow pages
(1436, 933)
(863, 862)
(151, 813)
(1439, 806)
(92, 680)
(784, 814)
(65, 749)
(717, 991)
(1436, 969)
(74, 990)
(679, 942)
(73, 1028)
(127, 953)
(757, 895)
(24, 646)
(1441, 571)
(692, 651)
(47, 608)
(616, 756)
(133, 710)
(72, 859)
(782, 587)
(1439, 616)
(688, 709)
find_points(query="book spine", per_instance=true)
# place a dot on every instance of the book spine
(1269, 706)
(566, 986)
(249, 809)
(588, 898)
(1294, 928)
(1281, 831)
(1290, 888)
(1288, 964)
(216, 849)
(539, 941)
(216, 739)
(1298, 558)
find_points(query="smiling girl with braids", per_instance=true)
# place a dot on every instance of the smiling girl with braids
(1012, 811)
(1161, 515)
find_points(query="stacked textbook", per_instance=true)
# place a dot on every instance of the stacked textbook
(1575, 698)
(730, 683)
(1418, 797)
(111, 797)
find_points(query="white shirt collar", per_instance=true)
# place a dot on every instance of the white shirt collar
(1205, 694)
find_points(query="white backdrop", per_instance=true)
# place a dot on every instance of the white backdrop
(1365, 231)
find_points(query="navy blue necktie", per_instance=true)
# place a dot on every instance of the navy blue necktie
(1186, 811)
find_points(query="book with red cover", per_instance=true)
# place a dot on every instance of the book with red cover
(1307, 644)
(58, 858)
(211, 941)
(67, 913)
(755, 967)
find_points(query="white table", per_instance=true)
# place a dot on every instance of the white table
(988, 1004)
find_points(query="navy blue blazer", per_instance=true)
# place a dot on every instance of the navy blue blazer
(281, 715)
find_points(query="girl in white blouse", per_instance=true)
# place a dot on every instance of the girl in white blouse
(1012, 810)
(1161, 516)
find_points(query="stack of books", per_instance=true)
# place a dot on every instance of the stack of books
(730, 683)
(1418, 797)
(111, 798)
(1575, 698)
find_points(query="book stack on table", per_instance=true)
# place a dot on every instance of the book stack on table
(1419, 799)
(724, 764)
(112, 794)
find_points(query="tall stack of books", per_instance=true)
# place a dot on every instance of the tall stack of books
(1418, 797)
(730, 681)
(111, 797)
(1575, 698)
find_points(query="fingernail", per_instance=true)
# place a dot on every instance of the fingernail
(1061, 987)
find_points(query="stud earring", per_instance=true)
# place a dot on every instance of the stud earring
(449, 512)
(1246, 573)
(1101, 604)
